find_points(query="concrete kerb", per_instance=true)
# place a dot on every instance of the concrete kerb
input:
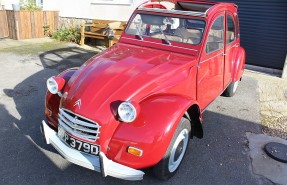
(274, 72)
(284, 72)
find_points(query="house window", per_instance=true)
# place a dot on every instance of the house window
(35, 2)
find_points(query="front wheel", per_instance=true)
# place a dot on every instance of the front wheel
(172, 159)
(231, 89)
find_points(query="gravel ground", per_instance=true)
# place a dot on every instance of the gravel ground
(273, 104)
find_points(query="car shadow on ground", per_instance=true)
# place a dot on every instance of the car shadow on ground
(30, 93)
(221, 157)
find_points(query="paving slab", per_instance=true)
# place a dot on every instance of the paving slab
(262, 164)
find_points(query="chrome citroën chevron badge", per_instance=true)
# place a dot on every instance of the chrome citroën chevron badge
(78, 103)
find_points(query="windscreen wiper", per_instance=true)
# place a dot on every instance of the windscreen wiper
(165, 39)
(139, 37)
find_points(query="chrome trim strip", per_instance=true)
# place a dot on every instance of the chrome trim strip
(211, 58)
(178, 12)
(234, 46)
(222, 53)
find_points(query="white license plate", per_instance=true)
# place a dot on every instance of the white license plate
(77, 144)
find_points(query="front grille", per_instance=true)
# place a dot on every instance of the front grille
(78, 125)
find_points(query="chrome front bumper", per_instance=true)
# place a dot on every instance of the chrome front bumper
(100, 164)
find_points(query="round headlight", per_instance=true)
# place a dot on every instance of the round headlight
(127, 112)
(55, 84)
(52, 85)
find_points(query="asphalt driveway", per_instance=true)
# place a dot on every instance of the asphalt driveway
(221, 157)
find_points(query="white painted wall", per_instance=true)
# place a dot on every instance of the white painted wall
(94, 9)
(8, 3)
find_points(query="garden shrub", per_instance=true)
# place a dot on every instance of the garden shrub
(69, 34)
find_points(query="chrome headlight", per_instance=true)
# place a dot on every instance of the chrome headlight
(127, 112)
(55, 84)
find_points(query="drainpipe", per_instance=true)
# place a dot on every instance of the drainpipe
(284, 72)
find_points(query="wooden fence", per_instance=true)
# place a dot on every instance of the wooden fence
(26, 24)
(4, 32)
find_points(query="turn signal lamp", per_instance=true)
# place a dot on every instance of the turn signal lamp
(135, 151)
(48, 112)
(55, 84)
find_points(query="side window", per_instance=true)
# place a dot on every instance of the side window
(215, 36)
(230, 34)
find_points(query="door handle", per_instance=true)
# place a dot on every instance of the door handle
(223, 54)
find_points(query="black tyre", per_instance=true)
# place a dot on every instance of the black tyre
(173, 157)
(231, 89)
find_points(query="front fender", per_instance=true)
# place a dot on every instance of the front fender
(53, 100)
(239, 64)
(67, 74)
(151, 132)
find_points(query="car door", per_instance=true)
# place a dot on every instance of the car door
(211, 65)
(232, 43)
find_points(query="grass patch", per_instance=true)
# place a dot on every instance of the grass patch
(33, 49)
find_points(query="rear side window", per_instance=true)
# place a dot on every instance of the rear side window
(215, 39)
(230, 34)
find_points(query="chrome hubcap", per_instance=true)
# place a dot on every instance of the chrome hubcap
(178, 150)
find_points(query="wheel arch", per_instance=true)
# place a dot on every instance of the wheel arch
(239, 64)
(193, 114)
(150, 132)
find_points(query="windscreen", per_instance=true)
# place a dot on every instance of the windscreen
(169, 28)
